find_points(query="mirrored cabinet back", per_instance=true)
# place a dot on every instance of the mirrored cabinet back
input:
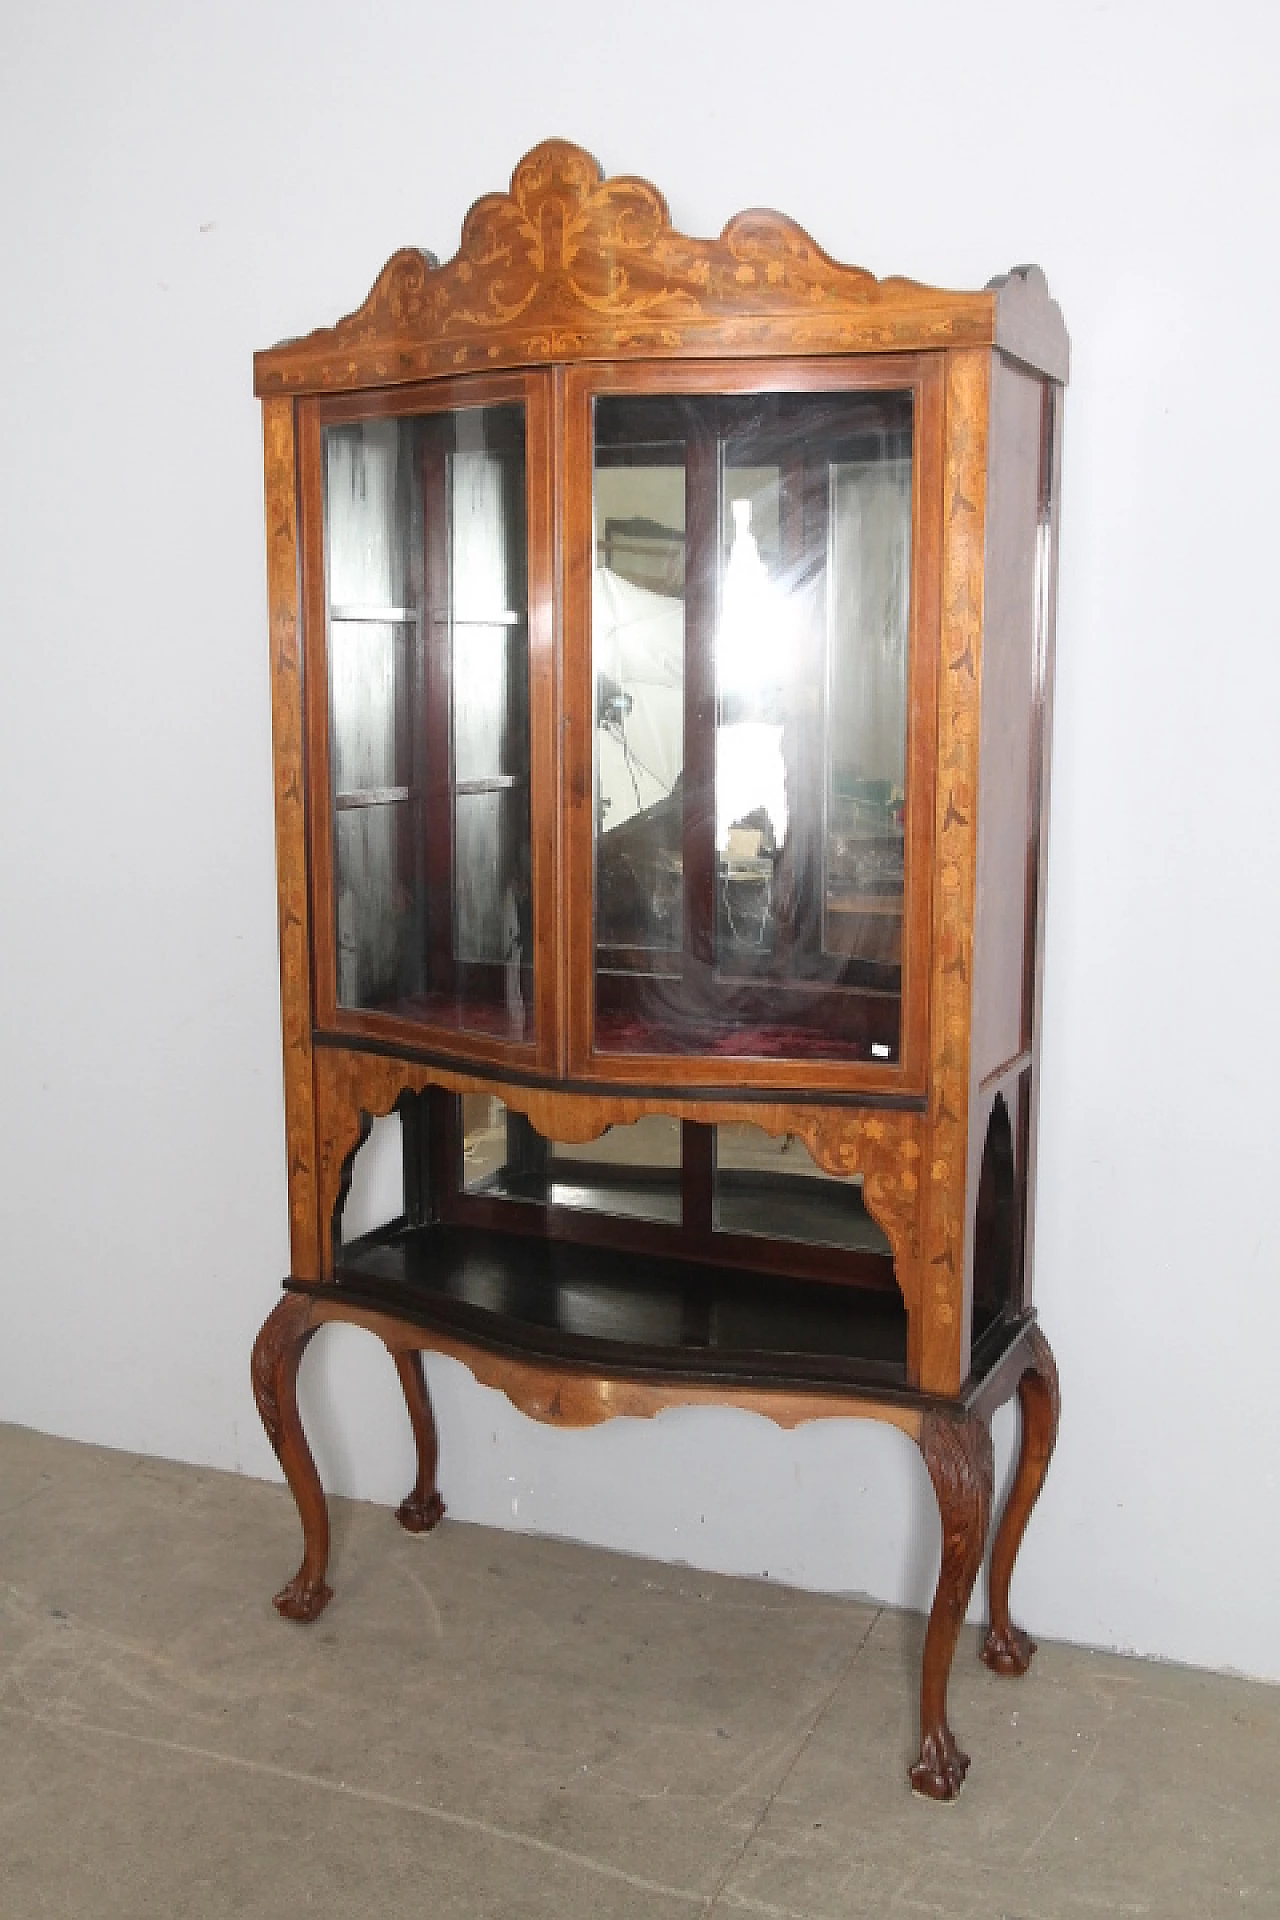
(661, 645)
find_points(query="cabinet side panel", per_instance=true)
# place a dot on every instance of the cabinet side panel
(1050, 494)
(1008, 782)
(291, 834)
(941, 1352)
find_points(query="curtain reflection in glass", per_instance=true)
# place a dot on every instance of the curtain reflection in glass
(638, 650)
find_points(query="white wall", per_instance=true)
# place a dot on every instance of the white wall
(182, 185)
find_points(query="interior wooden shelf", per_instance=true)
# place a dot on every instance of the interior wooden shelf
(638, 1313)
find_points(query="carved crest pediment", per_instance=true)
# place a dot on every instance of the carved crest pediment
(570, 264)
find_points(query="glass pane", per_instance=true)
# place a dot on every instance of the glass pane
(866, 764)
(773, 1187)
(631, 1172)
(488, 663)
(380, 931)
(369, 666)
(492, 897)
(487, 1157)
(751, 722)
(638, 637)
(425, 557)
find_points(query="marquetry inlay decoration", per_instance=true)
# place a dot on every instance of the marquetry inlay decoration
(884, 1147)
(955, 868)
(291, 833)
(569, 264)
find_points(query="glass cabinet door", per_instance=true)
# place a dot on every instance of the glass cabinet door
(751, 621)
(425, 548)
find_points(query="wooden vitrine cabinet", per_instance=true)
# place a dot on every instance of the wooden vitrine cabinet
(661, 635)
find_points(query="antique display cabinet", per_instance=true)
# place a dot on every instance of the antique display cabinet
(661, 635)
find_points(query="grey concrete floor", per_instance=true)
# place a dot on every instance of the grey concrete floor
(486, 1724)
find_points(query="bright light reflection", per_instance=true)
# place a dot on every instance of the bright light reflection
(753, 646)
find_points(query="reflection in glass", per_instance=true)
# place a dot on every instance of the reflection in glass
(773, 1187)
(486, 1149)
(751, 617)
(866, 797)
(630, 1172)
(425, 559)
(638, 621)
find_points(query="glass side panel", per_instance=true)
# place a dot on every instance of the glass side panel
(772, 1187)
(751, 615)
(631, 1172)
(425, 569)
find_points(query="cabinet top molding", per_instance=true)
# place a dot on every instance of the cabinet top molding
(571, 266)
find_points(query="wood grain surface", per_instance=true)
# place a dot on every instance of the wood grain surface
(568, 265)
(291, 833)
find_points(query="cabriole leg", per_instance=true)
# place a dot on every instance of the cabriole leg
(957, 1452)
(276, 1353)
(1006, 1648)
(424, 1508)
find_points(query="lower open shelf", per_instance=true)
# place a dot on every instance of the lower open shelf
(636, 1313)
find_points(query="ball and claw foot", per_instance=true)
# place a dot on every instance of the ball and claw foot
(939, 1772)
(420, 1512)
(302, 1599)
(1008, 1650)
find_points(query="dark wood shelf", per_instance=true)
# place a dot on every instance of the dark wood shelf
(631, 1313)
